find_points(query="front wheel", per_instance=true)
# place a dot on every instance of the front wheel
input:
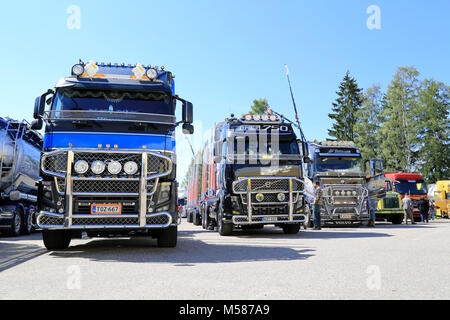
(168, 238)
(56, 239)
(291, 228)
(197, 219)
(225, 229)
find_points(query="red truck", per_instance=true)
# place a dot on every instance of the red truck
(412, 184)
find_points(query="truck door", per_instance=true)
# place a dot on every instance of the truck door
(375, 180)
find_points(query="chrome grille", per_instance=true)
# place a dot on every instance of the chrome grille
(55, 163)
(48, 220)
(106, 186)
(268, 198)
(270, 184)
(157, 165)
(107, 221)
(391, 202)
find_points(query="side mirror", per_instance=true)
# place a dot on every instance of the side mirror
(188, 128)
(187, 112)
(36, 124)
(39, 104)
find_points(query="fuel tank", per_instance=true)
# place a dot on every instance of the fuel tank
(20, 149)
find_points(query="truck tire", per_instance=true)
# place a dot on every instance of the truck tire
(28, 224)
(291, 228)
(224, 229)
(56, 239)
(189, 217)
(398, 219)
(197, 219)
(205, 218)
(16, 226)
(168, 238)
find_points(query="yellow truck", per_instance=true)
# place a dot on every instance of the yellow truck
(442, 198)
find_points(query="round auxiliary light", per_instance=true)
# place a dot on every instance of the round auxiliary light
(130, 167)
(256, 117)
(151, 73)
(281, 197)
(336, 193)
(259, 197)
(354, 192)
(265, 117)
(78, 70)
(273, 117)
(248, 117)
(114, 167)
(81, 167)
(349, 192)
(98, 167)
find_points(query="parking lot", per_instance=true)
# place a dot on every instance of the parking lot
(386, 262)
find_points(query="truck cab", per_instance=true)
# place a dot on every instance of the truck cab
(351, 186)
(412, 184)
(442, 198)
(108, 162)
(390, 207)
(255, 175)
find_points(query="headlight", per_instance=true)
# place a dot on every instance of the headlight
(78, 70)
(81, 167)
(130, 167)
(152, 73)
(114, 167)
(98, 167)
(281, 197)
(259, 197)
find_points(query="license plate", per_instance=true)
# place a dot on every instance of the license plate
(345, 216)
(106, 209)
(270, 219)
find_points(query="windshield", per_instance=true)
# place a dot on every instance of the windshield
(254, 148)
(71, 99)
(339, 165)
(410, 187)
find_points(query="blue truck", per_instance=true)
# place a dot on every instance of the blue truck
(108, 163)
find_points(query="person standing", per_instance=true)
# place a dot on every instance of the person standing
(432, 210)
(317, 204)
(407, 207)
(371, 211)
(424, 208)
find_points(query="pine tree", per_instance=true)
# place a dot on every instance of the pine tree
(345, 108)
(398, 132)
(433, 131)
(368, 123)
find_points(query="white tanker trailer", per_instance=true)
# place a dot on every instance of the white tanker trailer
(20, 149)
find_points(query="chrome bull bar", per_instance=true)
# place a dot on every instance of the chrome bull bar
(249, 190)
(328, 194)
(143, 193)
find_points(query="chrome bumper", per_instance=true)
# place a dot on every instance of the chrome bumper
(268, 219)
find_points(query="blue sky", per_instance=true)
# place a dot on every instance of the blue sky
(226, 53)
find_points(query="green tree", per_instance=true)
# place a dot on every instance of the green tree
(433, 131)
(368, 123)
(345, 108)
(259, 106)
(397, 134)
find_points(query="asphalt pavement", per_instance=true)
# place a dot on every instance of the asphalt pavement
(385, 262)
